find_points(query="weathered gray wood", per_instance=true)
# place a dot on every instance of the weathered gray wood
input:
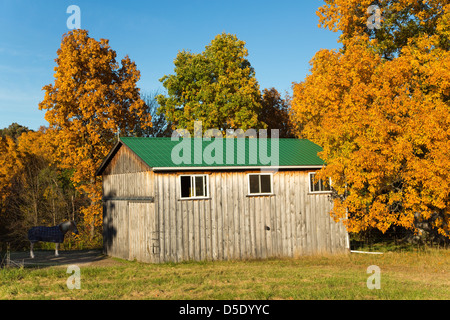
(268, 224)
(140, 230)
(230, 224)
(180, 223)
(164, 213)
(317, 218)
(293, 187)
(212, 208)
(316, 221)
(258, 225)
(277, 201)
(236, 219)
(226, 223)
(202, 230)
(328, 226)
(219, 214)
(272, 234)
(309, 232)
(297, 214)
(284, 222)
(117, 229)
(290, 194)
(154, 246)
(173, 212)
(241, 193)
(161, 218)
(247, 241)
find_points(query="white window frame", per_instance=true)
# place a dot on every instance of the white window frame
(262, 193)
(205, 189)
(309, 184)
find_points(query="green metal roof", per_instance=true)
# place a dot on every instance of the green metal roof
(160, 152)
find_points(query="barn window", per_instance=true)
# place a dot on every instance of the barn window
(259, 184)
(194, 186)
(318, 185)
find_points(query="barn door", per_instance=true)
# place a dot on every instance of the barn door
(142, 224)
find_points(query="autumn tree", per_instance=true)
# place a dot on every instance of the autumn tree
(14, 131)
(34, 190)
(383, 122)
(42, 190)
(400, 21)
(217, 87)
(10, 165)
(10, 168)
(92, 99)
(276, 113)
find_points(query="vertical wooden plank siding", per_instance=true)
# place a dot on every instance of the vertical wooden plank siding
(229, 224)
(213, 217)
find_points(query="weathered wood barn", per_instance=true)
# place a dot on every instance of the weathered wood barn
(167, 200)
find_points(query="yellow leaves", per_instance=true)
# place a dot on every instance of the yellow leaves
(92, 97)
(401, 22)
(10, 165)
(39, 143)
(384, 127)
(344, 15)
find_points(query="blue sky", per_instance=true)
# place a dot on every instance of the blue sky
(281, 37)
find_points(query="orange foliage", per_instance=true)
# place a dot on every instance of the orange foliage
(40, 143)
(384, 125)
(400, 20)
(91, 99)
(10, 166)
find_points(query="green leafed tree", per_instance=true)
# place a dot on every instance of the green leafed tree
(217, 87)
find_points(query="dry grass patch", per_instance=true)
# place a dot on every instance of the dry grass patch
(412, 275)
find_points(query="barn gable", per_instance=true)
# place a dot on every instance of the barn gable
(122, 159)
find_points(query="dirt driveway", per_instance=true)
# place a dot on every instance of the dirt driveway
(47, 258)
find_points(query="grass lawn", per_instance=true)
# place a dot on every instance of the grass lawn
(403, 275)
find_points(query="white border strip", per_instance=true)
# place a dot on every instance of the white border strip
(367, 252)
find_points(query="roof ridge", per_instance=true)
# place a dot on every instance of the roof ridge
(167, 138)
(162, 152)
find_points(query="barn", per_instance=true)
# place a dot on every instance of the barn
(172, 201)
